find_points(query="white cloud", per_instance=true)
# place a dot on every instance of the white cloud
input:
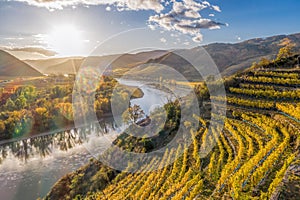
(152, 27)
(121, 4)
(206, 3)
(198, 38)
(142, 5)
(216, 8)
(183, 17)
(186, 43)
(30, 49)
(163, 40)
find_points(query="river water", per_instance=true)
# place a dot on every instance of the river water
(30, 171)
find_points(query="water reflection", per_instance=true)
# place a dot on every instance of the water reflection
(30, 167)
(43, 146)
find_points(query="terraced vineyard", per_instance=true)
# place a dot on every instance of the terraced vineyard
(253, 153)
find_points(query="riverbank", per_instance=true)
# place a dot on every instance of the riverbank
(48, 163)
(134, 92)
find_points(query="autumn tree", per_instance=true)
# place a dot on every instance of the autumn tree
(42, 118)
(2, 127)
(264, 62)
(286, 51)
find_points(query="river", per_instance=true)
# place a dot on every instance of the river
(30, 171)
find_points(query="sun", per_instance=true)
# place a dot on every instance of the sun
(65, 39)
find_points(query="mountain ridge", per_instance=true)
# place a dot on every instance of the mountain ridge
(229, 57)
(10, 66)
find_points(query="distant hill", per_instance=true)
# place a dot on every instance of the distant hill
(162, 67)
(11, 66)
(55, 65)
(229, 58)
(72, 65)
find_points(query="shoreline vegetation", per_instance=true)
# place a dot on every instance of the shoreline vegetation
(33, 107)
(28, 135)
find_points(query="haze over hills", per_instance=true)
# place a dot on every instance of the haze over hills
(229, 58)
(72, 65)
(57, 65)
(11, 66)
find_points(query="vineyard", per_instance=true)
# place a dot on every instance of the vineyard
(253, 154)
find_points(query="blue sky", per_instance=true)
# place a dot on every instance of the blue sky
(258, 18)
(26, 24)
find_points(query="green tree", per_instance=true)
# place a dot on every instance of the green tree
(21, 102)
(59, 92)
(30, 93)
(10, 105)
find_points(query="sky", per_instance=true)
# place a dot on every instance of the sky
(46, 28)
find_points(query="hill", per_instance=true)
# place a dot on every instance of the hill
(72, 64)
(46, 65)
(256, 155)
(11, 66)
(229, 58)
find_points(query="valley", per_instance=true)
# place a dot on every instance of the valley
(149, 100)
(255, 146)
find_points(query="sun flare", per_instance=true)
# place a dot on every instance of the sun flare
(65, 39)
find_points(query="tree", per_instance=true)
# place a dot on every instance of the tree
(255, 65)
(264, 62)
(42, 118)
(30, 93)
(58, 92)
(286, 51)
(10, 105)
(2, 127)
(133, 114)
(21, 102)
(66, 110)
